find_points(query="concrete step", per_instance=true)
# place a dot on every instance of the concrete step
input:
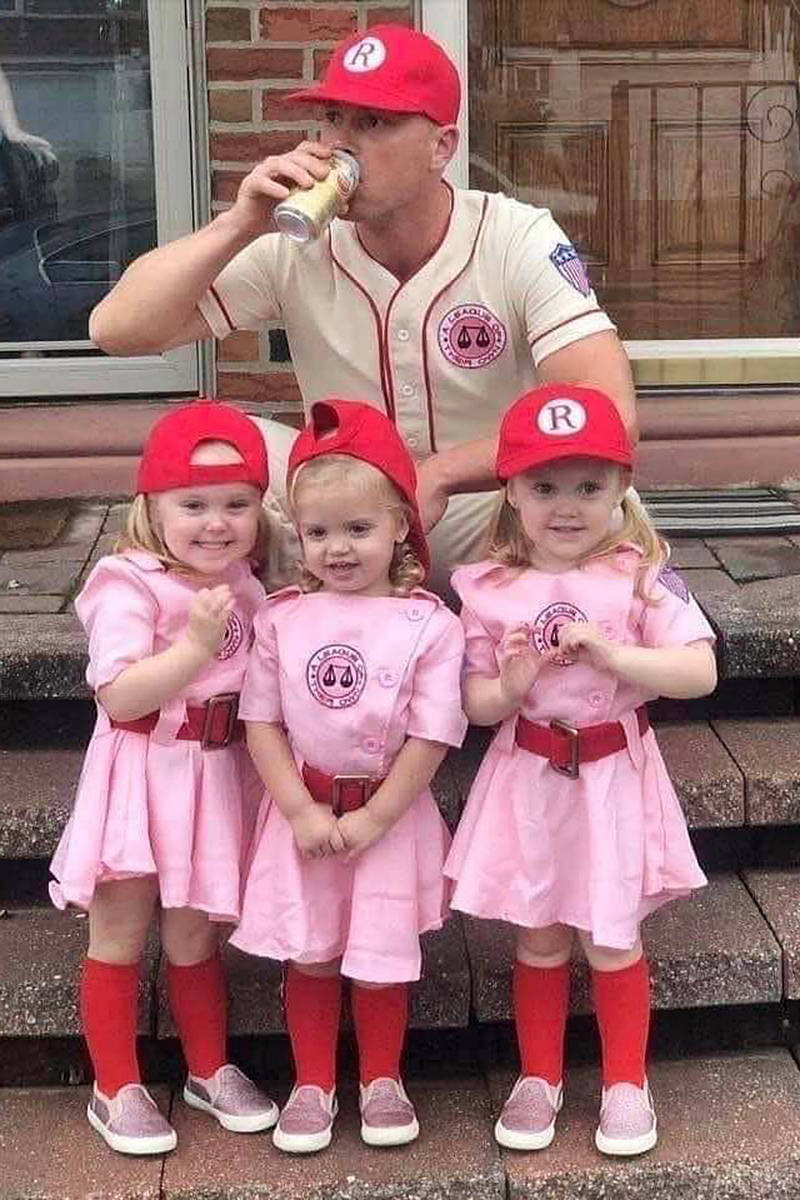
(440, 1000)
(454, 1156)
(767, 752)
(37, 788)
(715, 948)
(729, 1129)
(777, 894)
(37, 785)
(709, 949)
(41, 952)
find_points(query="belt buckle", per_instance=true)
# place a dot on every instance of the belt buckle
(340, 781)
(572, 768)
(224, 699)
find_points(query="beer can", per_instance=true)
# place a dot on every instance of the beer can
(306, 212)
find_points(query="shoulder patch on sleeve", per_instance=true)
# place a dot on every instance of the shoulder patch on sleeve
(566, 261)
(673, 582)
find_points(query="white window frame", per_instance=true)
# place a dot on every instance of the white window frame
(688, 362)
(180, 162)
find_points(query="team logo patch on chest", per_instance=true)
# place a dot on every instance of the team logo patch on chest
(471, 336)
(336, 676)
(565, 260)
(234, 636)
(545, 630)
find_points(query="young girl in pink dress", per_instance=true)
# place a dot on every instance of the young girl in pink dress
(573, 622)
(351, 700)
(167, 794)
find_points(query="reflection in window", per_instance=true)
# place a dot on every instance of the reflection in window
(77, 183)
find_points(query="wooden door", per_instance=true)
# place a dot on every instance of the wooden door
(664, 136)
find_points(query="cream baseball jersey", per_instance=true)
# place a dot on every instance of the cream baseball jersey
(443, 353)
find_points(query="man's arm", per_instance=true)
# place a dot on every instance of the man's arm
(597, 361)
(153, 306)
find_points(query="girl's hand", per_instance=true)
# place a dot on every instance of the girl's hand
(208, 617)
(358, 830)
(314, 829)
(582, 641)
(520, 664)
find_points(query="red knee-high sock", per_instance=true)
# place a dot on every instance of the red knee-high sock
(313, 1010)
(109, 1006)
(380, 1016)
(622, 1004)
(541, 998)
(199, 1002)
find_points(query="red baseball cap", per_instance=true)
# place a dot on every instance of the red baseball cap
(166, 458)
(350, 427)
(393, 68)
(558, 421)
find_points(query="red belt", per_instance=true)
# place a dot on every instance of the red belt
(344, 793)
(213, 724)
(567, 747)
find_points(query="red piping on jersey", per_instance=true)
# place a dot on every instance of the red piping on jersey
(383, 326)
(222, 307)
(388, 399)
(561, 324)
(428, 311)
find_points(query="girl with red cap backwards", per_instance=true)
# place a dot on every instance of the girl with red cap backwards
(351, 700)
(162, 807)
(572, 826)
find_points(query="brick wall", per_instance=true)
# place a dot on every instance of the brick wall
(256, 52)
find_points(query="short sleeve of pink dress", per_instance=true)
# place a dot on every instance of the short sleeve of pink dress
(672, 617)
(261, 694)
(437, 674)
(118, 611)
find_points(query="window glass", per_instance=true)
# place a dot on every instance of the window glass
(665, 137)
(77, 177)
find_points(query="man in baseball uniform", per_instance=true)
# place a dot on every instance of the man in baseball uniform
(436, 304)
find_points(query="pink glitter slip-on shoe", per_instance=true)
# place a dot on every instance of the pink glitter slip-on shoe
(387, 1114)
(528, 1119)
(233, 1099)
(627, 1120)
(306, 1123)
(130, 1122)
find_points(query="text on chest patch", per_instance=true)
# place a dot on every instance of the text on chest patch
(546, 626)
(234, 636)
(471, 336)
(336, 676)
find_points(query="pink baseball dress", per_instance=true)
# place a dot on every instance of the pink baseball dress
(149, 804)
(352, 677)
(602, 851)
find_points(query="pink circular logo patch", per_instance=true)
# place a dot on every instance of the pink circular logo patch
(471, 336)
(544, 633)
(234, 636)
(336, 676)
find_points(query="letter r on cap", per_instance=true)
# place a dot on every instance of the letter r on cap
(561, 417)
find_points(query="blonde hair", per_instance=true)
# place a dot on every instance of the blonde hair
(140, 533)
(330, 470)
(508, 543)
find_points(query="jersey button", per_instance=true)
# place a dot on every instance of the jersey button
(370, 745)
(387, 678)
(407, 389)
(596, 699)
(403, 335)
(412, 441)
